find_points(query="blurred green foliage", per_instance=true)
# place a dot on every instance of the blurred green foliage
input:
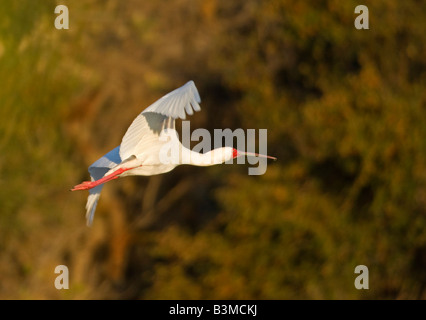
(345, 111)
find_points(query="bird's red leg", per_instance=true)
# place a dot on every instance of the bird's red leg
(91, 184)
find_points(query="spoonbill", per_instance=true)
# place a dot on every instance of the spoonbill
(139, 151)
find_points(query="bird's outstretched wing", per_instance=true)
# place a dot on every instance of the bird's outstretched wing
(146, 128)
(176, 103)
(97, 170)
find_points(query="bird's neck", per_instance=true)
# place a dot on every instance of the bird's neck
(210, 158)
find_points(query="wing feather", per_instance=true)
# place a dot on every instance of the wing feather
(145, 129)
(185, 95)
(97, 170)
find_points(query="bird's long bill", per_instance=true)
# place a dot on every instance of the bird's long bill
(256, 155)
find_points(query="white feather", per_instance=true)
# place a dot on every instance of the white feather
(145, 129)
(97, 170)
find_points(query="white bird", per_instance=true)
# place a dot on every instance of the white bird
(140, 149)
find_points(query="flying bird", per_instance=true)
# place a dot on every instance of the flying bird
(141, 148)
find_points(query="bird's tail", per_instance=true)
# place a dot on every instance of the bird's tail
(92, 201)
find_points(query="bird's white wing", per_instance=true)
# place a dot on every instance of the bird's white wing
(97, 170)
(178, 103)
(145, 130)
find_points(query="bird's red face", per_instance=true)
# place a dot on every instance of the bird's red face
(234, 153)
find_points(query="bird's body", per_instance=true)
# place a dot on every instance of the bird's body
(141, 151)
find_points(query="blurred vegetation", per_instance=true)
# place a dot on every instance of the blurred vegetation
(345, 111)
